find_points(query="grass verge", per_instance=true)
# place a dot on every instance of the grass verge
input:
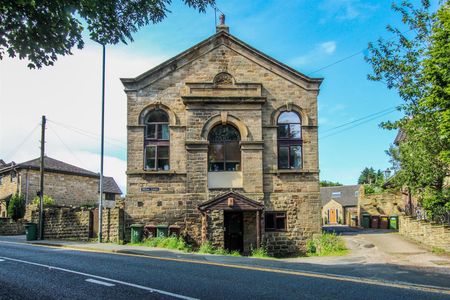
(326, 244)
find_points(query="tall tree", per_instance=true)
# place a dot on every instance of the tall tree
(416, 64)
(40, 30)
(370, 176)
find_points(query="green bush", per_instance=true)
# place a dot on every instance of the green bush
(260, 252)
(208, 248)
(326, 244)
(172, 242)
(16, 207)
(47, 200)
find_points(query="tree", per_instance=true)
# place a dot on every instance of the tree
(416, 63)
(41, 30)
(325, 183)
(16, 207)
(370, 176)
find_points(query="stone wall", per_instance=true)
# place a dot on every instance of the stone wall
(65, 189)
(8, 185)
(77, 223)
(10, 227)
(426, 233)
(387, 203)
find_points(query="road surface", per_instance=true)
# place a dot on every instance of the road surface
(39, 272)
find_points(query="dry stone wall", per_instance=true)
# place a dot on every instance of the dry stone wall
(11, 227)
(426, 233)
(77, 223)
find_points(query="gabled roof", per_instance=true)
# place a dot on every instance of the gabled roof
(348, 194)
(222, 37)
(110, 186)
(51, 164)
(239, 202)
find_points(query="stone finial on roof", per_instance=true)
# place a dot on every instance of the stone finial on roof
(222, 26)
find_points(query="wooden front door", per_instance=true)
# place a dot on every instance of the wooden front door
(234, 231)
(333, 218)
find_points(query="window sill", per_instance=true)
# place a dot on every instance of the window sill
(148, 172)
(290, 171)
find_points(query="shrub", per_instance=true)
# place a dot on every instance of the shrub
(260, 252)
(47, 200)
(16, 207)
(172, 242)
(207, 248)
(326, 244)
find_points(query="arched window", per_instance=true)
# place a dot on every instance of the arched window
(157, 140)
(289, 141)
(224, 152)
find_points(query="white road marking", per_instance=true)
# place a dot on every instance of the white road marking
(2, 260)
(152, 290)
(100, 282)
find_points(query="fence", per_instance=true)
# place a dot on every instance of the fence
(438, 216)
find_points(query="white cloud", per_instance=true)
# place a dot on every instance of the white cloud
(346, 10)
(328, 47)
(319, 51)
(69, 93)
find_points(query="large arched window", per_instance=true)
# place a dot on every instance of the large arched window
(289, 141)
(157, 140)
(224, 151)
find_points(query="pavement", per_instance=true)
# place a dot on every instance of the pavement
(380, 263)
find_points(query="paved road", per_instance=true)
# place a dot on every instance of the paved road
(37, 272)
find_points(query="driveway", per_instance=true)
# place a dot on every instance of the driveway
(374, 246)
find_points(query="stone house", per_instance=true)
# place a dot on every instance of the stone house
(65, 183)
(340, 204)
(223, 147)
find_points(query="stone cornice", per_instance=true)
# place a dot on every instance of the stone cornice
(197, 145)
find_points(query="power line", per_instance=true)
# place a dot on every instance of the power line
(352, 55)
(356, 125)
(67, 147)
(91, 134)
(392, 108)
(12, 153)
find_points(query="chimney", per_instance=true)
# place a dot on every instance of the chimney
(222, 26)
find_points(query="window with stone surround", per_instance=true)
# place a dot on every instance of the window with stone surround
(275, 221)
(224, 151)
(156, 141)
(289, 136)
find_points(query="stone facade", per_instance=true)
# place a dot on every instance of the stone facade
(426, 233)
(222, 80)
(65, 189)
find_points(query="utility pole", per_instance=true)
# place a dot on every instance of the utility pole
(100, 200)
(41, 190)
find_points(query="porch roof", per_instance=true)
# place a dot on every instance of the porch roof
(238, 202)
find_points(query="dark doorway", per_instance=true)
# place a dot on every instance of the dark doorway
(234, 231)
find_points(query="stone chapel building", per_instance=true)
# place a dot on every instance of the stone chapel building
(222, 147)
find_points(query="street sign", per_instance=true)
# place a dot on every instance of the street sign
(150, 189)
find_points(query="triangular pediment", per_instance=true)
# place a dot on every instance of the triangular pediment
(220, 39)
(231, 201)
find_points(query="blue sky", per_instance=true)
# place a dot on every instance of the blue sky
(307, 35)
